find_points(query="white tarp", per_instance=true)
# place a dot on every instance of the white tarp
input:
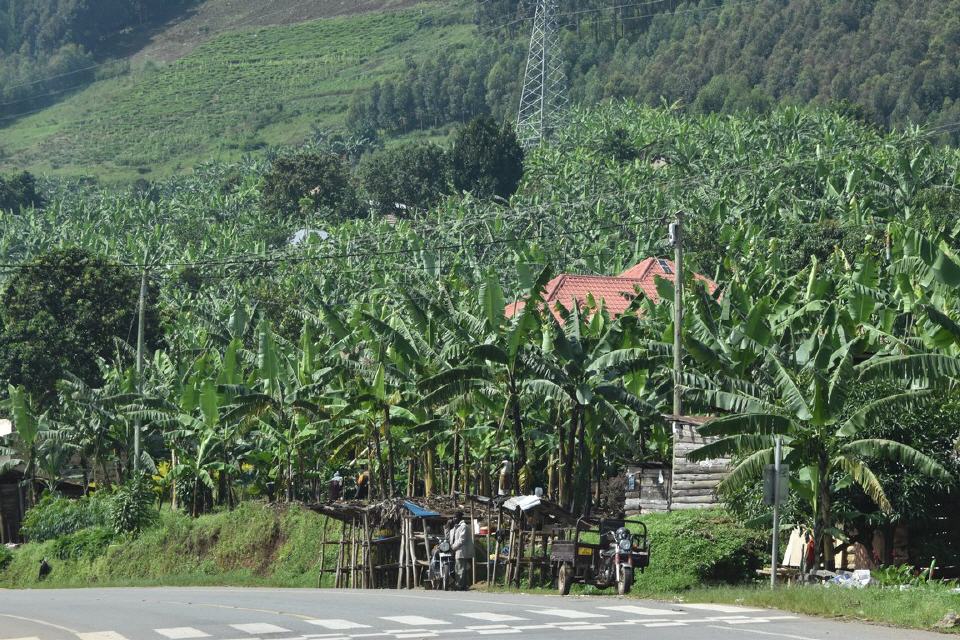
(524, 502)
(6, 427)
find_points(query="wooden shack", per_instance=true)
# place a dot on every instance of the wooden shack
(694, 484)
(647, 488)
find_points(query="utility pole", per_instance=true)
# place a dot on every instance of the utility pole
(140, 339)
(543, 97)
(676, 237)
(775, 546)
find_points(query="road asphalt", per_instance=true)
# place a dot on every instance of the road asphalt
(302, 614)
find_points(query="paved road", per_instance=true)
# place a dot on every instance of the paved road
(295, 614)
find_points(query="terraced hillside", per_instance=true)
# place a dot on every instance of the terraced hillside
(237, 93)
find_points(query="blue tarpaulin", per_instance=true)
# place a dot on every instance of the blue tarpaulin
(419, 511)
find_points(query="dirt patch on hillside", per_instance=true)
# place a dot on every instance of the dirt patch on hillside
(208, 19)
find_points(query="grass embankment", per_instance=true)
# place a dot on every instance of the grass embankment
(254, 545)
(695, 558)
(239, 92)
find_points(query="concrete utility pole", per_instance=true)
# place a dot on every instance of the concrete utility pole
(543, 97)
(676, 237)
(140, 339)
(775, 545)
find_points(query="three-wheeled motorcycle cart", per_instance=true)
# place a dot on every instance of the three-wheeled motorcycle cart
(621, 549)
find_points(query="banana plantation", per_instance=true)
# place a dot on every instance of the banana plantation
(281, 349)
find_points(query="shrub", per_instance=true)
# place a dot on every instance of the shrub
(308, 182)
(131, 507)
(85, 544)
(18, 191)
(412, 174)
(692, 548)
(5, 557)
(486, 159)
(55, 516)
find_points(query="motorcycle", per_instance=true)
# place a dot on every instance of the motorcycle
(442, 571)
(611, 562)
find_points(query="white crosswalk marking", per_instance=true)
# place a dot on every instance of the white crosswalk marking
(182, 633)
(491, 617)
(664, 624)
(414, 620)
(644, 611)
(566, 613)
(337, 623)
(259, 627)
(722, 608)
(101, 635)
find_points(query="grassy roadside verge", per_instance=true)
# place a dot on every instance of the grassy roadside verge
(259, 545)
(919, 608)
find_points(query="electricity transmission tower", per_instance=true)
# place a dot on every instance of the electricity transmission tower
(543, 98)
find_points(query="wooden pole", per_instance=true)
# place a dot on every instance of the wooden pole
(532, 558)
(414, 569)
(402, 559)
(353, 553)
(473, 527)
(369, 550)
(323, 551)
(339, 582)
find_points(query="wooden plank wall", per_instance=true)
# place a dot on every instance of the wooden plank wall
(694, 483)
(650, 494)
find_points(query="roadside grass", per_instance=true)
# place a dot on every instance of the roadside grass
(259, 545)
(236, 94)
(918, 608)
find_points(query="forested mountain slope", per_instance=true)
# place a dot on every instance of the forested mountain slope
(441, 63)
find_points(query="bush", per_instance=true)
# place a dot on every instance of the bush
(55, 516)
(5, 557)
(486, 159)
(307, 182)
(19, 191)
(131, 507)
(693, 548)
(412, 174)
(84, 545)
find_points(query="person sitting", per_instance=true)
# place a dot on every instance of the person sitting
(45, 569)
(363, 485)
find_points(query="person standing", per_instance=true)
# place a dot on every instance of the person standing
(461, 543)
(336, 487)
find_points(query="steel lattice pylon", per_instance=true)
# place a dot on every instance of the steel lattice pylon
(543, 98)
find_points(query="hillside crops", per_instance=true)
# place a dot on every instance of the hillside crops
(385, 347)
(236, 94)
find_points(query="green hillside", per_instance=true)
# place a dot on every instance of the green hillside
(238, 93)
(406, 71)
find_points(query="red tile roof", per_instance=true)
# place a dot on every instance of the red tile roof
(616, 292)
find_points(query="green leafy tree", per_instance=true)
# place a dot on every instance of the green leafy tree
(411, 174)
(19, 191)
(61, 313)
(308, 182)
(805, 407)
(486, 159)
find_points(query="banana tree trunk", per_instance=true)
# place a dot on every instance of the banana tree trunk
(518, 440)
(429, 473)
(822, 540)
(568, 460)
(379, 456)
(455, 467)
(389, 441)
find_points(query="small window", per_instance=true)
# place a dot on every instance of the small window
(665, 266)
